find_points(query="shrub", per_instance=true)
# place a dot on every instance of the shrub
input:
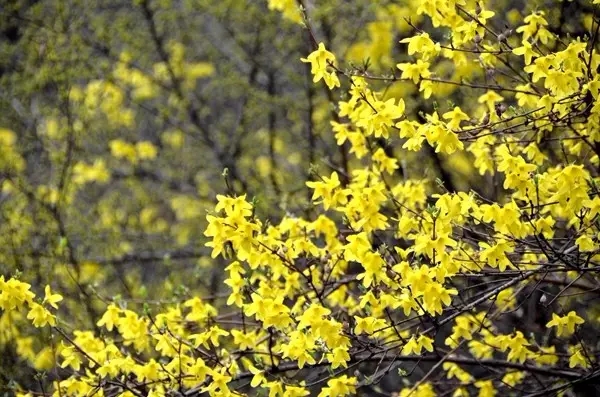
(449, 246)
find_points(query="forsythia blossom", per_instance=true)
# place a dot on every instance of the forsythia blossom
(319, 66)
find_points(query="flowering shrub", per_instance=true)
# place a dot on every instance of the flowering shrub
(399, 279)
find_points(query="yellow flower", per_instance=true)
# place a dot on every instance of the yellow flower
(490, 98)
(455, 116)
(546, 356)
(422, 44)
(51, 298)
(259, 377)
(585, 243)
(13, 293)
(40, 316)
(415, 345)
(72, 358)
(368, 325)
(486, 388)
(110, 317)
(243, 340)
(319, 60)
(506, 299)
(526, 50)
(565, 326)
(145, 150)
(577, 357)
(495, 256)
(414, 71)
(289, 9)
(340, 386)
(329, 190)
(339, 356)
(122, 149)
